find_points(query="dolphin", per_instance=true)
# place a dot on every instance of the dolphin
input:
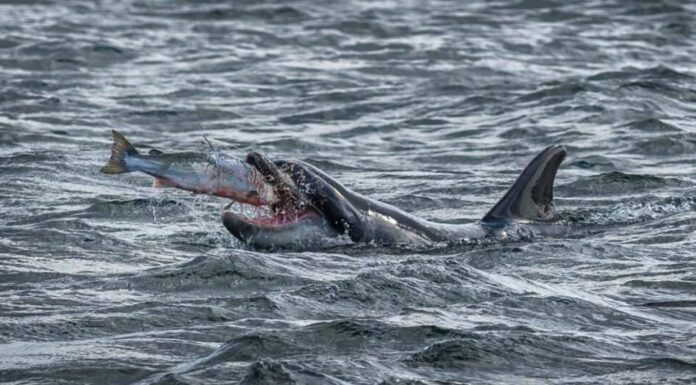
(313, 209)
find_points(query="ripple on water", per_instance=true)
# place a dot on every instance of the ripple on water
(652, 126)
(616, 183)
(517, 353)
(666, 145)
(241, 272)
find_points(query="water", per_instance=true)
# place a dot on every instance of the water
(431, 106)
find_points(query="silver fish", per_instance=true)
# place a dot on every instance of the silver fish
(211, 172)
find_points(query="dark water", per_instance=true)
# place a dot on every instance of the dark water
(430, 106)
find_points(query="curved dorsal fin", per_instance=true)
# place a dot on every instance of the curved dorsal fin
(531, 196)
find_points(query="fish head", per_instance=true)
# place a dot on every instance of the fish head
(241, 182)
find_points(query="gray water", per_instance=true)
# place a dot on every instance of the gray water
(430, 106)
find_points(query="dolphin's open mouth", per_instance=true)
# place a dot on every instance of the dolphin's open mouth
(265, 219)
(270, 216)
(289, 208)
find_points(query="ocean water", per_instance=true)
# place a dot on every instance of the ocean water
(430, 106)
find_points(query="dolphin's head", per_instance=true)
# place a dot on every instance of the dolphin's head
(308, 209)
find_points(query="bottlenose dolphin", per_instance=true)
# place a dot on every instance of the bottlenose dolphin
(312, 209)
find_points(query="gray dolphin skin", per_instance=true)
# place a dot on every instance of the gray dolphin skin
(313, 209)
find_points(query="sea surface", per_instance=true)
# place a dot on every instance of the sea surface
(432, 106)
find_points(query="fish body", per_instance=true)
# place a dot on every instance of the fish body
(210, 172)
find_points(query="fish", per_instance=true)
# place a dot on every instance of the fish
(211, 172)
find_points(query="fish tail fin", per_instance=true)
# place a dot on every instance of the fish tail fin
(531, 197)
(119, 149)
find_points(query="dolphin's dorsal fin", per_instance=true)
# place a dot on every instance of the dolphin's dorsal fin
(531, 197)
(154, 152)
